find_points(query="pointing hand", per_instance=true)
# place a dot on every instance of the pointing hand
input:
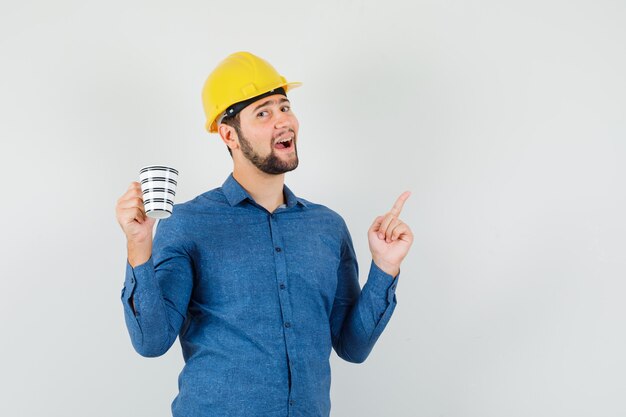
(390, 238)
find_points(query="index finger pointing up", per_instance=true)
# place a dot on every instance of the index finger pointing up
(397, 207)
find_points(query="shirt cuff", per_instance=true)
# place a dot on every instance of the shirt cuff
(382, 283)
(135, 274)
(136, 281)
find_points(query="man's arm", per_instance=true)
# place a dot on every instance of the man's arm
(359, 317)
(158, 280)
(156, 292)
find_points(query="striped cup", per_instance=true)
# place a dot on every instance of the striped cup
(158, 186)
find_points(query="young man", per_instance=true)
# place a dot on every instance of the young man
(257, 283)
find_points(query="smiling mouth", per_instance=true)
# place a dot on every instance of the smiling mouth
(284, 144)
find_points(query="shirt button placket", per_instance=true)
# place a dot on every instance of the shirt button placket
(283, 297)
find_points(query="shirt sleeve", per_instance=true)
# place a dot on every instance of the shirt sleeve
(358, 316)
(160, 289)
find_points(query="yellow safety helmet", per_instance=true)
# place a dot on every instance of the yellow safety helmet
(239, 77)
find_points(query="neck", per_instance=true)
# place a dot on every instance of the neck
(265, 189)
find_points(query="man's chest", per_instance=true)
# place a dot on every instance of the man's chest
(256, 263)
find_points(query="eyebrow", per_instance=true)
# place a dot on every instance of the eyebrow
(282, 100)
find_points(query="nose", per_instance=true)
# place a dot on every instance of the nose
(284, 120)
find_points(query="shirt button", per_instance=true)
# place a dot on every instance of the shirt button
(291, 402)
(132, 280)
(282, 286)
(287, 324)
(278, 249)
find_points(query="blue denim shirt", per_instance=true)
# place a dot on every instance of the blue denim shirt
(257, 300)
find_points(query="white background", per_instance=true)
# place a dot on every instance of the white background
(506, 120)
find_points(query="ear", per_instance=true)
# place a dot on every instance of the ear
(228, 135)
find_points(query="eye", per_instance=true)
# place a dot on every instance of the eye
(286, 107)
(259, 114)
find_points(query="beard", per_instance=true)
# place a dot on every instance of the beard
(270, 164)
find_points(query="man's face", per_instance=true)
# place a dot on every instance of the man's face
(268, 134)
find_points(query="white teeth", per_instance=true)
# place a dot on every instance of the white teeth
(285, 140)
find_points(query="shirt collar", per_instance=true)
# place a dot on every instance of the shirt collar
(235, 193)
